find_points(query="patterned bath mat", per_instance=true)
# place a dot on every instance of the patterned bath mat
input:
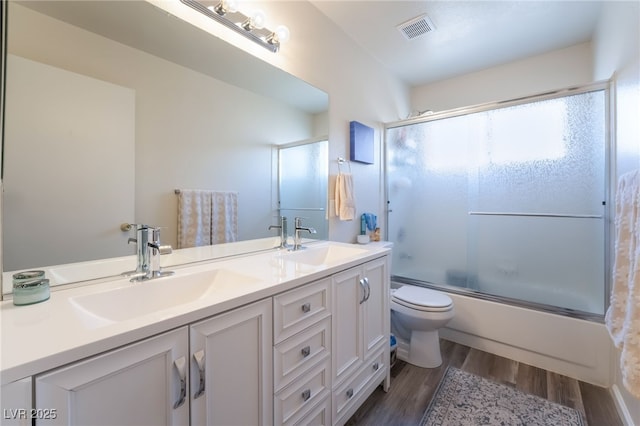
(464, 399)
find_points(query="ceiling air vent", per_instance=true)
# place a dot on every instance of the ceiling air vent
(416, 27)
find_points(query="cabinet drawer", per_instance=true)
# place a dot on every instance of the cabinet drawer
(297, 309)
(348, 393)
(297, 354)
(320, 415)
(300, 397)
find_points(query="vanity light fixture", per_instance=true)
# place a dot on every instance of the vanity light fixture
(251, 26)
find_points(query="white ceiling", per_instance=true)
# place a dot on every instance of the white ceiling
(469, 35)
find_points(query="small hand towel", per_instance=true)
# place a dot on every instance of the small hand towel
(623, 316)
(224, 217)
(344, 198)
(207, 217)
(194, 218)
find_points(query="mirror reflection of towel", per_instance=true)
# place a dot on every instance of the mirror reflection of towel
(345, 201)
(207, 217)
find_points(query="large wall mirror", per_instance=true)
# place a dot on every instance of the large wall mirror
(112, 106)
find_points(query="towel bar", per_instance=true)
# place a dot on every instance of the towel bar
(575, 216)
(342, 161)
(315, 209)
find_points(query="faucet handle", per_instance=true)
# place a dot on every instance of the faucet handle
(165, 249)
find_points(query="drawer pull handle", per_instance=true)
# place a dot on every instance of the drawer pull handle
(306, 307)
(364, 290)
(350, 393)
(366, 281)
(306, 351)
(181, 366)
(306, 395)
(376, 366)
(199, 359)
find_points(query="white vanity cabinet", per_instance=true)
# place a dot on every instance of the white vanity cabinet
(307, 352)
(144, 383)
(360, 335)
(231, 367)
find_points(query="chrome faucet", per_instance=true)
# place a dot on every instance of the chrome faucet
(297, 239)
(148, 252)
(283, 232)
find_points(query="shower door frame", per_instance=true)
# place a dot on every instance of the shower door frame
(609, 173)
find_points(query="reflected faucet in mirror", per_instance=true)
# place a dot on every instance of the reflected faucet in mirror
(148, 252)
(297, 240)
(283, 232)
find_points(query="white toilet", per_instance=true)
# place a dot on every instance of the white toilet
(416, 315)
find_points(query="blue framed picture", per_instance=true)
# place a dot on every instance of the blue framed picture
(361, 143)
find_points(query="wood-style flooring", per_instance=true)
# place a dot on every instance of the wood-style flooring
(413, 387)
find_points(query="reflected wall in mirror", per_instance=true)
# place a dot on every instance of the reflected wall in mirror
(303, 176)
(111, 106)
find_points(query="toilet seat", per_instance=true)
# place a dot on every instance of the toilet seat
(422, 299)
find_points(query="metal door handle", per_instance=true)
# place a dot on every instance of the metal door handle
(181, 365)
(306, 394)
(364, 290)
(376, 366)
(366, 281)
(306, 307)
(350, 393)
(199, 359)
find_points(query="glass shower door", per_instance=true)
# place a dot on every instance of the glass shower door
(507, 202)
(536, 229)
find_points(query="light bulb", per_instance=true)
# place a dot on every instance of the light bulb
(258, 18)
(282, 33)
(225, 6)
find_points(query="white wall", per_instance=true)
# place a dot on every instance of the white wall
(192, 131)
(67, 133)
(538, 74)
(617, 55)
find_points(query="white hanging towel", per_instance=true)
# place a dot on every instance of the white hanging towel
(344, 197)
(194, 218)
(206, 217)
(623, 316)
(224, 217)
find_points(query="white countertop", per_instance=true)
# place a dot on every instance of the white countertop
(39, 337)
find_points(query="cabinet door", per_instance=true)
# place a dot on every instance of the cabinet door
(16, 403)
(141, 384)
(231, 368)
(376, 308)
(347, 327)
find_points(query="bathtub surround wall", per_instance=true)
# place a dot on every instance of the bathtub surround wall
(617, 55)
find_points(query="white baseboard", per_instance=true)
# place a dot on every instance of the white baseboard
(621, 406)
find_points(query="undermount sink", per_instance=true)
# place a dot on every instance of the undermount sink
(141, 298)
(325, 255)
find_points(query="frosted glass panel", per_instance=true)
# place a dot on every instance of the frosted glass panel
(303, 179)
(544, 157)
(455, 184)
(428, 189)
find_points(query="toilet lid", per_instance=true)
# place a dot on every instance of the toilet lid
(422, 297)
